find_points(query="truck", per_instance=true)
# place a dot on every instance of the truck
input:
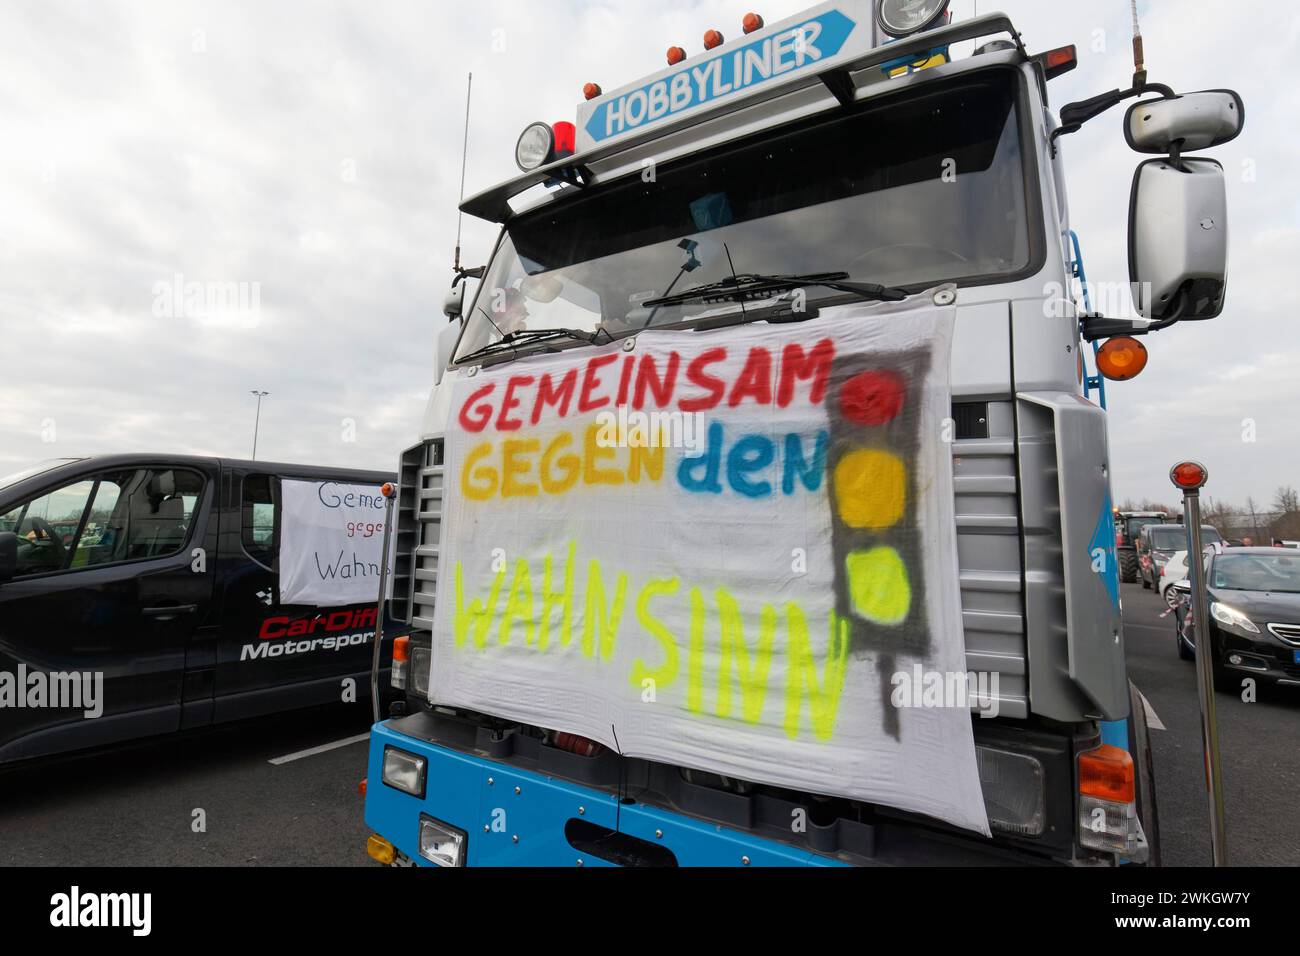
(764, 234)
(151, 594)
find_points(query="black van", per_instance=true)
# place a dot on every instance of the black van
(139, 595)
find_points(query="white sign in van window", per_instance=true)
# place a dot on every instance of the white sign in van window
(331, 543)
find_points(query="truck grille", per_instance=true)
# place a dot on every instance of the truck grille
(419, 531)
(988, 550)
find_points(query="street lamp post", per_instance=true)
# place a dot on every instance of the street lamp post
(258, 419)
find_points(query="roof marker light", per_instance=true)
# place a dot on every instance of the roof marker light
(675, 55)
(591, 91)
(752, 22)
(712, 38)
(1055, 62)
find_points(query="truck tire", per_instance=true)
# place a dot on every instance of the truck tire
(1139, 746)
(1128, 567)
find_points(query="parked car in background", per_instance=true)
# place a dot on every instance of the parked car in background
(1171, 572)
(1157, 544)
(1253, 597)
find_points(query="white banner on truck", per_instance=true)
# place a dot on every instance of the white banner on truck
(331, 543)
(732, 550)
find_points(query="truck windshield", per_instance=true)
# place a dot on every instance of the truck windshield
(923, 188)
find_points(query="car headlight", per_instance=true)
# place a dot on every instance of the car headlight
(441, 843)
(403, 771)
(420, 667)
(1232, 617)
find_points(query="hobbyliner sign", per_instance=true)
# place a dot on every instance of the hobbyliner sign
(331, 543)
(808, 44)
(743, 606)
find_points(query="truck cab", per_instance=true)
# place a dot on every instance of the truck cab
(774, 183)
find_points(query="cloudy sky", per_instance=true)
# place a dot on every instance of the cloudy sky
(309, 153)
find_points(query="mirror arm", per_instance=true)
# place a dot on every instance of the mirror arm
(1074, 115)
(461, 274)
(1094, 326)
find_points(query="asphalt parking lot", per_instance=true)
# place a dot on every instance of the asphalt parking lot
(1259, 743)
(136, 805)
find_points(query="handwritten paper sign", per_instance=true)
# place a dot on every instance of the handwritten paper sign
(718, 550)
(331, 543)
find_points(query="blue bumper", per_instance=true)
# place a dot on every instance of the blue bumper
(518, 818)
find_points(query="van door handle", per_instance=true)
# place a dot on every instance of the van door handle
(167, 613)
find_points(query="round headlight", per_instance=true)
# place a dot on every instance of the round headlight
(535, 147)
(900, 18)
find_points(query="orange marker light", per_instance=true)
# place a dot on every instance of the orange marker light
(1189, 474)
(387, 490)
(1122, 358)
(1062, 56)
(361, 787)
(1107, 773)
(752, 22)
(713, 38)
(380, 850)
(401, 648)
(675, 55)
(591, 91)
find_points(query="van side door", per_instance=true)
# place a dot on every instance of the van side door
(111, 585)
(273, 656)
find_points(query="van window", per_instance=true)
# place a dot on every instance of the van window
(258, 521)
(47, 527)
(138, 514)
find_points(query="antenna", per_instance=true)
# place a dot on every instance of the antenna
(464, 158)
(1139, 63)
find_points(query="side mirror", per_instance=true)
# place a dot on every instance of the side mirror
(453, 303)
(8, 556)
(1187, 122)
(1178, 239)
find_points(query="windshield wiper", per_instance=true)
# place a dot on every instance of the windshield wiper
(748, 287)
(512, 341)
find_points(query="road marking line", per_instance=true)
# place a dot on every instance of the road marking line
(313, 751)
(1153, 719)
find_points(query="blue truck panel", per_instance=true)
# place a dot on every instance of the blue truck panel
(516, 817)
